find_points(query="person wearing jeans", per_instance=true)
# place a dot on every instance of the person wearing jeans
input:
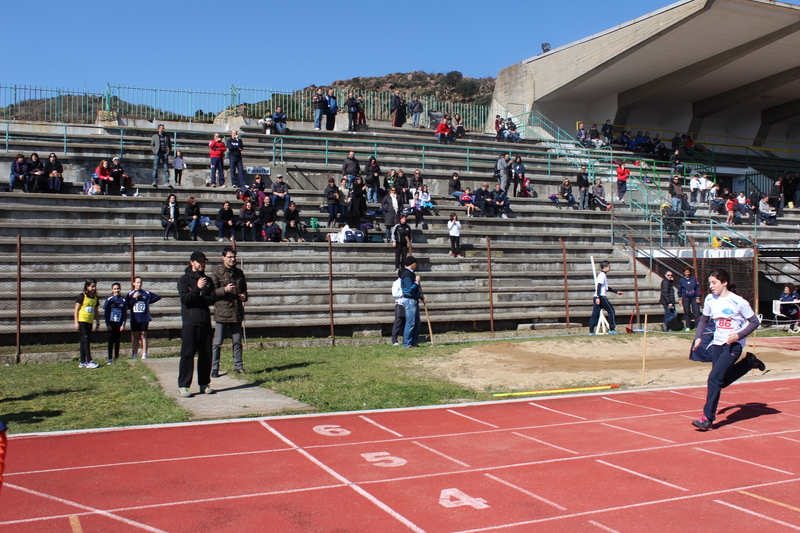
(161, 146)
(412, 294)
(667, 300)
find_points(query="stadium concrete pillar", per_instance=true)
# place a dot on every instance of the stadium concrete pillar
(634, 97)
(773, 115)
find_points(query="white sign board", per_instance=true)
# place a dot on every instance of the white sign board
(264, 171)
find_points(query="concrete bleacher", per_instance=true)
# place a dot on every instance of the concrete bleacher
(68, 237)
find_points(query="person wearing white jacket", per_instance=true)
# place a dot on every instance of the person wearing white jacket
(455, 235)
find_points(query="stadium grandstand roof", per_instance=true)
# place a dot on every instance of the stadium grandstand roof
(727, 67)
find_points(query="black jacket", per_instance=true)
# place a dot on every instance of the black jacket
(350, 166)
(667, 292)
(195, 301)
(582, 180)
(332, 194)
(268, 214)
(191, 211)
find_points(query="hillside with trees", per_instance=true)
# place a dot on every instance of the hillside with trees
(451, 87)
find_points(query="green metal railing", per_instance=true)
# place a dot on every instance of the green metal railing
(49, 104)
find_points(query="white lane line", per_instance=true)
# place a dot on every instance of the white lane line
(527, 492)
(402, 519)
(632, 404)
(638, 433)
(554, 411)
(86, 508)
(641, 475)
(145, 462)
(745, 461)
(604, 528)
(371, 421)
(462, 463)
(545, 443)
(787, 438)
(473, 419)
(759, 515)
(622, 507)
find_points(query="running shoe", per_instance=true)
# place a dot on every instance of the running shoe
(82, 365)
(613, 332)
(110, 362)
(205, 389)
(703, 423)
(755, 362)
(91, 364)
(184, 392)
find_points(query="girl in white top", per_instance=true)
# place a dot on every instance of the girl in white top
(734, 320)
(455, 235)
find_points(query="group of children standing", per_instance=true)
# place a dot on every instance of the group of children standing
(115, 312)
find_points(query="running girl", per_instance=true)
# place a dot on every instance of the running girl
(734, 320)
(138, 301)
(85, 314)
(115, 312)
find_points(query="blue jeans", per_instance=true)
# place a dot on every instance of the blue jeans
(286, 199)
(217, 167)
(676, 203)
(280, 127)
(583, 203)
(415, 119)
(445, 136)
(372, 194)
(318, 118)
(350, 179)
(193, 225)
(411, 330)
(237, 172)
(14, 177)
(221, 226)
(157, 159)
(457, 195)
(622, 188)
(669, 314)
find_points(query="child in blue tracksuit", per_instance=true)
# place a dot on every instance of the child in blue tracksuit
(116, 311)
(139, 301)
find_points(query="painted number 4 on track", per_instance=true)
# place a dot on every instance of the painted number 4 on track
(455, 498)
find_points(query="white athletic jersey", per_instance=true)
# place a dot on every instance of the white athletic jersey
(694, 183)
(730, 314)
(602, 279)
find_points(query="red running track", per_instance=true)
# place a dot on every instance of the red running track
(616, 462)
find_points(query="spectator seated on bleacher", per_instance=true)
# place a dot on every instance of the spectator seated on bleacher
(598, 196)
(500, 202)
(54, 171)
(280, 191)
(279, 120)
(425, 198)
(594, 137)
(500, 127)
(268, 216)
(583, 137)
(267, 123)
(291, 223)
(454, 187)
(482, 199)
(458, 126)
(20, 171)
(716, 202)
(766, 213)
(566, 194)
(608, 131)
(468, 202)
(225, 221)
(791, 311)
(103, 173)
(38, 177)
(120, 180)
(443, 132)
(249, 223)
(511, 133)
(625, 140)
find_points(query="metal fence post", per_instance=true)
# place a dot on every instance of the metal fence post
(491, 292)
(330, 289)
(19, 299)
(133, 258)
(566, 278)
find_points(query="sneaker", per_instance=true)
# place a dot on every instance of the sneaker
(460, 256)
(144, 356)
(687, 329)
(452, 255)
(504, 216)
(591, 334)
(664, 328)
(92, 364)
(184, 392)
(755, 362)
(155, 185)
(239, 370)
(395, 344)
(703, 423)
(215, 373)
(110, 362)
(205, 389)
(221, 239)
(613, 332)
(82, 365)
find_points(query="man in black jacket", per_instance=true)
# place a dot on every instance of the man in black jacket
(401, 241)
(196, 291)
(667, 300)
(350, 169)
(230, 289)
(482, 196)
(582, 181)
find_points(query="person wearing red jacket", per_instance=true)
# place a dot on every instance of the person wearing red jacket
(103, 173)
(622, 180)
(217, 153)
(443, 132)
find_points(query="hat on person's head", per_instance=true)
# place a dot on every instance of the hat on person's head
(279, 176)
(197, 257)
(402, 215)
(115, 159)
(410, 260)
(332, 180)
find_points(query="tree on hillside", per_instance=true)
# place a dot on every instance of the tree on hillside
(467, 88)
(452, 78)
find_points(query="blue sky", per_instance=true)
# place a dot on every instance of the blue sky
(205, 45)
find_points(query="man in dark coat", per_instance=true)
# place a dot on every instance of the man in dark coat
(667, 300)
(230, 289)
(196, 291)
(397, 107)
